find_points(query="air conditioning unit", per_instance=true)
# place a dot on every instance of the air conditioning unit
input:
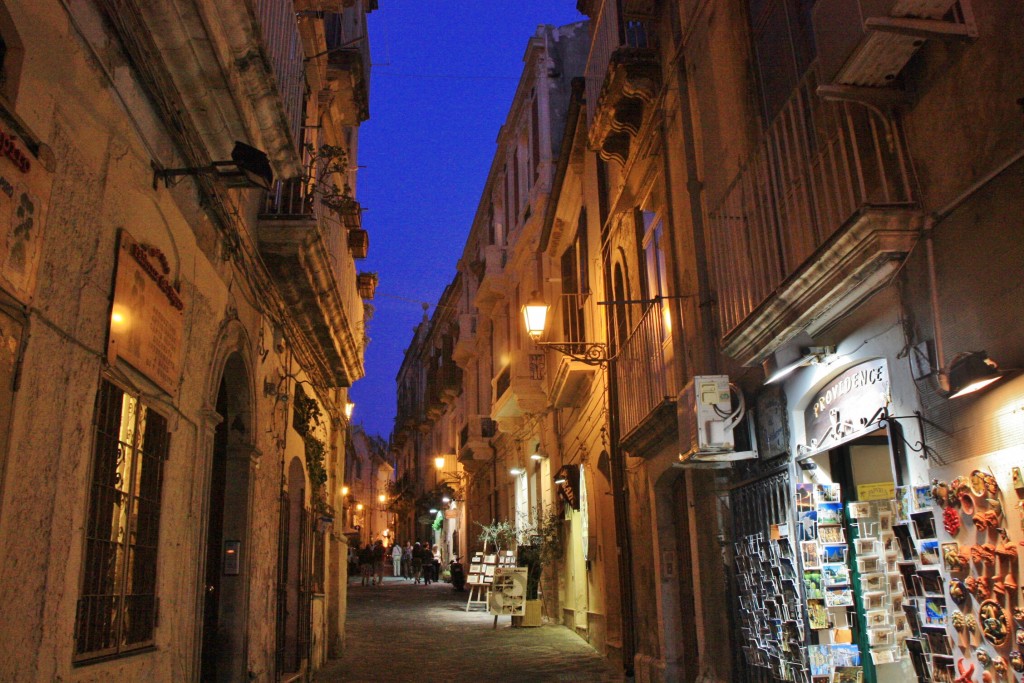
(712, 425)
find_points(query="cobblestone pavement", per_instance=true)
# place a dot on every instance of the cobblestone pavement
(402, 632)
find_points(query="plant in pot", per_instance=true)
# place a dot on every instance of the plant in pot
(540, 544)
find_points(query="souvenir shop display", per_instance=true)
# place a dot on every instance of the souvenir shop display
(978, 505)
(772, 615)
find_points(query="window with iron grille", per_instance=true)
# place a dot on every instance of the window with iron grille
(117, 604)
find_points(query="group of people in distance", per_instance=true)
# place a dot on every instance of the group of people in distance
(416, 561)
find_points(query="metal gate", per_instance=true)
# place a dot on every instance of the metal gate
(755, 507)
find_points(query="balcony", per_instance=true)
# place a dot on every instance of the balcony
(518, 390)
(571, 377)
(493, 280)
(465, 345)
(474, 445)
(348, 64)
(818, 217)
(646, 384)
(301, 252)
(867, 43)
(623, 76)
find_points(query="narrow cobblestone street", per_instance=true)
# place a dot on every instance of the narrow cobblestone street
(404, 632)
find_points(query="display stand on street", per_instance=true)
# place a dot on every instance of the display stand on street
(482, 570)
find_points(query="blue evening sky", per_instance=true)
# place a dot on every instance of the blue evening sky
(443, 78)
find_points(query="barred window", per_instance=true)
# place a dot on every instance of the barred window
(117, 605)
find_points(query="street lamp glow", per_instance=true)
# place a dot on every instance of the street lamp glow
(535, 313)
(433, 511)
(359, 506)
(349, 407)
(439, 462)
(382, 498)
(516, 471)
(446, 499)
(344, 490)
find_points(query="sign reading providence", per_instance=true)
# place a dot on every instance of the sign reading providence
(844, 407)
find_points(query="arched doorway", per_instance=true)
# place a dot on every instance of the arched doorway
(225, 578)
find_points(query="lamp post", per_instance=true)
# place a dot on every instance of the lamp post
(535, 313)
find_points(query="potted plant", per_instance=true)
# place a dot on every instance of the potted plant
(366, 283)
(540, 544)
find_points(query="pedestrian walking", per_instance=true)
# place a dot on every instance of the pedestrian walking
(378, 563)
(417, 561)
(407, 561)
(366, 563)
(396, 560)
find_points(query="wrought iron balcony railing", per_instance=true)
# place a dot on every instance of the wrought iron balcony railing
(284, 47)
(643, 369)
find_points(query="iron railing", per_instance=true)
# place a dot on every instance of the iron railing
(643, 371)
(819, 162)
(284, 47)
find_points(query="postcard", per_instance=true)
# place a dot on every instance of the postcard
(922, 498)
(808, 525)
(874, 600)
(834, 553)
(836, 574)
(931, 581)
(845, 655)
(830, 513)
(924, 524)
(935, 611)
(876, 581)
(847, 674)
(813, 585)
(877, 618)
(865, 546)
(906, 544)
(840, 596)
(804, 497)
(858, 510)
(809, 554)
(831, 534)
(867, 564)
(821, 660)
(817, 615)
(827, 493)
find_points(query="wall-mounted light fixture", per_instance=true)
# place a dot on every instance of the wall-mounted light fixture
(439, 462)
(517, 471)
(382, 498)
(446, 499)
(433, 511)
(560, 480)
(535, 313)
(344, 490)
(248, 167)
(971, 371)
(812, 355)
(359, 507)
(349, 407)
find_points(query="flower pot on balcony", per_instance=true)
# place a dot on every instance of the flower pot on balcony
(366, 283)
(358, 243)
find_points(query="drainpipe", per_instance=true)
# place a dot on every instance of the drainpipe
(620, 501)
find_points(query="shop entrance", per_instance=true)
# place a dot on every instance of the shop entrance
(861, 479)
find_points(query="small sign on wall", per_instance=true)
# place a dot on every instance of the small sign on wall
(147, 320)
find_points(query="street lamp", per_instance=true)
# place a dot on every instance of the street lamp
(382, 498)
(439, 462)
(344, 490)
(349, 407)
(535, 313)
(359, 507)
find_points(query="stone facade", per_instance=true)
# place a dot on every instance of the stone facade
(187, 547)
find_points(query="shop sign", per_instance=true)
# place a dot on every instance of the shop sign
(848, 406)
(569, 485)
(451, 514)
(146, 322)
(883, 490)
(24, 193)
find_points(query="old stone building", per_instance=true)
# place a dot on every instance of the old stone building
(828, 188)
(181, 323)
